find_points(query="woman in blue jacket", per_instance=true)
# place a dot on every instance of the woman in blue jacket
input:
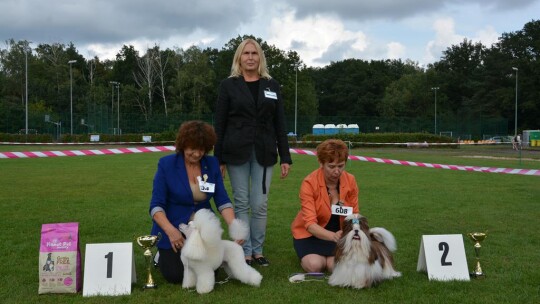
(184, 183)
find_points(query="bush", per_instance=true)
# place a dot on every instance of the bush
(376, 139)
(23, 138)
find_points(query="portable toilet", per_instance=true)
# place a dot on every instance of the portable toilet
(531, 138)
(318, 129)
(534, 138)
(330, 129)
(341, 128)
(353, 129)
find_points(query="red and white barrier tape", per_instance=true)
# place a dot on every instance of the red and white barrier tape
(80, 144)
(436, 166)
(39, 154)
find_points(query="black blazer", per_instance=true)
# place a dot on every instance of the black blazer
(241, 124)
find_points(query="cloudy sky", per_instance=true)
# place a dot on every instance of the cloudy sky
(321, 31)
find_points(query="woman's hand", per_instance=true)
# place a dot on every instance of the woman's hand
(284, 170)
(176, 239)
(223, 169)
(337, 236)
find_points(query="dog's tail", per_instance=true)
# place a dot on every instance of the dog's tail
(384, 236)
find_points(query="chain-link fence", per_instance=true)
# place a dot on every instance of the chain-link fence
(100, 120)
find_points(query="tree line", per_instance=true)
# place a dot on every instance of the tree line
(470, 81)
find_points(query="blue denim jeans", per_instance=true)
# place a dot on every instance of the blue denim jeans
(250, 204)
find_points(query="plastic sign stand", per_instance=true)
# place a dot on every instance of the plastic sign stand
(109, 269)
(443, 257)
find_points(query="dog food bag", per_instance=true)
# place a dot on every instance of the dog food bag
(59, 258)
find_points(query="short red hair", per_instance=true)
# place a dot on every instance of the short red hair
(332, 150)
(195, 134)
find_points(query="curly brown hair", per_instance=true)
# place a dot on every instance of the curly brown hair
(332, 149)
(195, 134)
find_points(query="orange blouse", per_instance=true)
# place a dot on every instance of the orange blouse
(316, 202)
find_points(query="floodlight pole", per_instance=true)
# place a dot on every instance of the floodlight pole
(435, 89)
(515, 118)
(26, 89)
(295, 65)
(118, 109)
(295, 100)
(113, 84)
(71, 92)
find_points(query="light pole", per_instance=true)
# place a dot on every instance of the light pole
(112, 102)
(26, 89)
(295, 65)
(113, 84)
(435, 89)
(515, 117)
(295, 99)
(71, 93)
(118, 109)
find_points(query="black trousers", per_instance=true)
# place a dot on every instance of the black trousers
(171, 266)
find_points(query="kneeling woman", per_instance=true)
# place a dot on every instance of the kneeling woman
(315, 229)
(177, 193)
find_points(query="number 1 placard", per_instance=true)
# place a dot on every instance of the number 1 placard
(443, 257)
(109, 269)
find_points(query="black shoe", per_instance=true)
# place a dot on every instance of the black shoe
(262, 261)
(249, 262)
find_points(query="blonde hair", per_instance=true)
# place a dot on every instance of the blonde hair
(236, 69)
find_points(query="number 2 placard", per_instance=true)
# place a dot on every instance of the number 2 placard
(109, 269)
(443, 257)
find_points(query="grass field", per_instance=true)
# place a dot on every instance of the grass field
(109, 196)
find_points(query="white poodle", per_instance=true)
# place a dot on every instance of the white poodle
(205, 251)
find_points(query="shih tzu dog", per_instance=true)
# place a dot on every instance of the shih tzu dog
(363, 255)
(205, 251)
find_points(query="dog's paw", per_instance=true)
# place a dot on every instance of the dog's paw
(238, 230)
(396, 274)
(255, 279)
(204, 288)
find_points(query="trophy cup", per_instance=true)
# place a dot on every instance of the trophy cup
(477, 238)
(147, 242)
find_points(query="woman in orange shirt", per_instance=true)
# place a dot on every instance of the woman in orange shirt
(317, 228)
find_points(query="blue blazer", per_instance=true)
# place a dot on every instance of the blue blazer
(172, 192)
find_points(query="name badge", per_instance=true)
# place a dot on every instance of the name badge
(270, 94)
(341, 210)
(205, 186)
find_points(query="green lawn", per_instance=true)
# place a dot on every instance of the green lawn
(109, 196)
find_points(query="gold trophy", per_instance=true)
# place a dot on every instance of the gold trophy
(477, 238)
(147, 242)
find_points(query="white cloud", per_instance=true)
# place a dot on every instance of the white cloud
(487, 36)
(445, 36)
(396, 50)
(313, 36)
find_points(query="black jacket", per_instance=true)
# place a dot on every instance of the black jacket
(241, 124)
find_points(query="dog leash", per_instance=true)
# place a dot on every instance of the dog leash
(305, 277)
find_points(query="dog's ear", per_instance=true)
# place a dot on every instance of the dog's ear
(194, 246)
(364, 224)
(347, 226)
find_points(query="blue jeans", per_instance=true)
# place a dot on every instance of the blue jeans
(250, 204)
